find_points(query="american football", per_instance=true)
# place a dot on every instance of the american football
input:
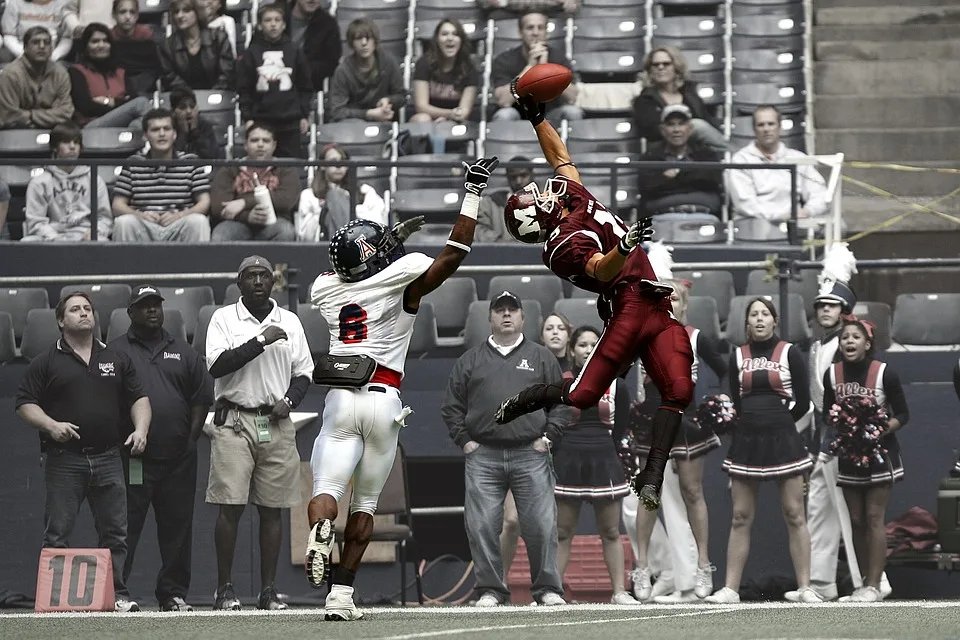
(544, 82)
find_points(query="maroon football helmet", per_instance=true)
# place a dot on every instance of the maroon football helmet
(530, 214)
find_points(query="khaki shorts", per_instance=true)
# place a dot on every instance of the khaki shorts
(244, 471)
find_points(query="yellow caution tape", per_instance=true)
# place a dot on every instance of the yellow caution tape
(899, 167)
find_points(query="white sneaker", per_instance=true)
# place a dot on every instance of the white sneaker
(703, 584)
(664, 585)
(622, 597)
(866, 594)
(487, 600)
(122, 605)
(809, 595)
(885, 588)
(551, 599)
(678, 597)
(724, 596)
(340, 606)
(319, 546)
(827, 592)
(849, 598)
(641, 583)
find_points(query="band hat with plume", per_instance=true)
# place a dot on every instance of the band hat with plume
(839, 265)
(661, 259)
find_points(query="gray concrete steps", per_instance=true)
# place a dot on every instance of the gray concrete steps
(885, 145)
(886, 78)
(906, 183)
(887, 33)
(905, 14)
(925, 51)
(872, 4)
(863, 212)
(841, 111)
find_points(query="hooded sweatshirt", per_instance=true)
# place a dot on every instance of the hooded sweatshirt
(766, 194)
(273, 80)
(58, 206)
(353, 92)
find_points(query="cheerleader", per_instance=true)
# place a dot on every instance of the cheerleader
(770, 392)
(866, 490)
(689, 452)
(588, 469)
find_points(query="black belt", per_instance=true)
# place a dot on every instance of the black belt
(85, 451)
(261, 410)
(377, 389)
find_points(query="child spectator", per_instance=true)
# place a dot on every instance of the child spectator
(368, 84)
(317, 33)
(445, 79)
(134, 44)
(20, 15)
(273, 83)
(195, 56)
(34, 91)
(194, 134)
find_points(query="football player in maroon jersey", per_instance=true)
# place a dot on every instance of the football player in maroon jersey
(590, 246)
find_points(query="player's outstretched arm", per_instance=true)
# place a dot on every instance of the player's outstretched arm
(554, 150)
(605, 266)
(461, 238)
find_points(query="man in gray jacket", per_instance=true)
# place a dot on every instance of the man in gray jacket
(514, 456)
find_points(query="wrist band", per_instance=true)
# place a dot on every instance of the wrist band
(564, 164)
(622, 249)
(470, 206)
(458, 245)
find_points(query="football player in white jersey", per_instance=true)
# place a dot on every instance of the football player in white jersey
(369, 302)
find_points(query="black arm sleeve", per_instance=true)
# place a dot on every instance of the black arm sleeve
(956, 378)
(734, 383)
(895, 396)
(297, 390)
(800, 383)
(621, 411)
(233, 359)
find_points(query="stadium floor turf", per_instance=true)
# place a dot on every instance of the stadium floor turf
(929, 620)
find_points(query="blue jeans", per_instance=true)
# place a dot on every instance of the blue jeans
(489, 472)
(234, 231)
(72, 478)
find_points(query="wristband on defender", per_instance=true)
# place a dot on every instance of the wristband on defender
(459, 245)
(470, 206)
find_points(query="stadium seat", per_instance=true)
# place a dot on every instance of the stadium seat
(475, 27)
(791, 329)
(689, 232)
(687, 28)
(424, 337)
(759, 230)
(505, 149)
(581, 312)
(418, 176)
(120, 324)
(105, 297)
(789, 23)
(478, 322)
(188, 301)
(706, 60)
(153, 11)
(451, 302)
(316, 329)
(791, 131)
(783, 77)
(608, 66)
(232, 295)
(603, 176)
(377, 177)
(702, 313)
(111, 142)
(237, 8)
(879, 314)
(601, 135)
(510, 131)
(203, 321)
(377, 10)
(927, 319)
(806, 286)
(462, 10)
(109, 174)
(43, 331)
(460, 137)
(711, 91)
(29, 143)
(621, 34)
(431, 203)
(18, 302)
(8, 344)
(358, 138)
(590, 9)
(506, 35)
(716, 284)
(545, 289)
(788, 98)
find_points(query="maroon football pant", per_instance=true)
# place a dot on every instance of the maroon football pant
(640, 327)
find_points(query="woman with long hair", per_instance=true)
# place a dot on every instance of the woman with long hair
(866, 487)
(195, 56)
(770, 392)
(588, 469)
(445, 79)
(666, 82)
(102, 94)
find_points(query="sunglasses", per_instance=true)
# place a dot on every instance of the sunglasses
(660, 65)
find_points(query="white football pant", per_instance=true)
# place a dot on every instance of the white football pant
(828, 521)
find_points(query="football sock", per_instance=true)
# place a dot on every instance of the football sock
(342, 575)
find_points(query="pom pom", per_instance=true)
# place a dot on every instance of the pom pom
(860, 425)
(660, 259)
(717, 414)
(839, 265)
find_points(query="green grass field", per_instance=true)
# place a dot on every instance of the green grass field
(926, 620)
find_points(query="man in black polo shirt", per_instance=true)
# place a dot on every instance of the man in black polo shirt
(180, 389)
(74, 394)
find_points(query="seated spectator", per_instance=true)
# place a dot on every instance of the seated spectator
(19, 16)
(102, 97)
(514, 62)
(445, 79)
(681, 194)
(235, 213)
(316, 32)
(766, 194)
(273, 83)
(665, 83)
(194, 133)
(368, 84)
(490, 227)
(4, 208)
(214, 16)
(194, 56)
(166, 204)
(34, 91)
(58, 200)
(522, 6)
(79, 14)
(134, 44)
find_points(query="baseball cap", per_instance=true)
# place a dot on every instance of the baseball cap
(507, 298)
(676, 110)
(255, 261)
(143, 292)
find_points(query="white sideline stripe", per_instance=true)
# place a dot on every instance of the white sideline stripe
(543, 625)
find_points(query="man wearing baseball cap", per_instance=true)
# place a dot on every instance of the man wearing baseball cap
(258, 356)
(180, 389)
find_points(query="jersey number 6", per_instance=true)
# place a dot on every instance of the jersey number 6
(352, 327)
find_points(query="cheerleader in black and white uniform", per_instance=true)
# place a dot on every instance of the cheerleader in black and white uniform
(770, 391)
(588, 469)
(867, 489)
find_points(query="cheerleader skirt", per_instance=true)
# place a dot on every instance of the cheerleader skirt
(589, 472)
(766, 446)
(879, 472)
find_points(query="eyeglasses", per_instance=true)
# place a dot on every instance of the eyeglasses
(661, 65)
